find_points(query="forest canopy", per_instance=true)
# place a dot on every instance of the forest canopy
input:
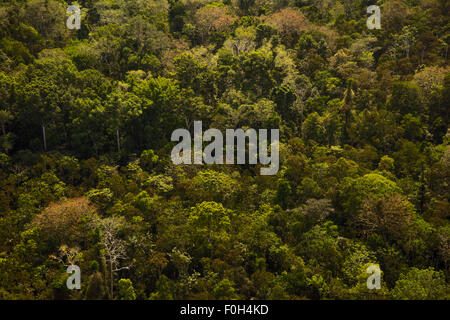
(86, 117)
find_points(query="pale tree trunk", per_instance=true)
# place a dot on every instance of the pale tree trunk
(114, 249)
(112, 280)
(44, 138)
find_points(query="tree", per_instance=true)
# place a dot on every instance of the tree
(115, 250)
(48, 18)
(352, 192)
(417, 284)
(212, 18)
(123, 107)
(309, 189)
(126, 290)
(394, 15)
(41, 97)
(320, 247)
(347, 109)
(146, 36)
(224, 290)
(408, 159)
(44, 95)
(430, 79)
(289, 23)
(404, 41)
(68, 256)
(405, 98)
(313, 129)
(160, 104)
(243, 41)
(64, 222)
(198, 80)
(164, 289)
(390, 217)
(148, 159)
(109, 41)
(317, 210)
(386, 163)
(210, 223)
(210, 185)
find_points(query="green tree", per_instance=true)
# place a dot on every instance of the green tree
(224, 290)
(126, 290)
(164, 289)
(417, 284)
(210, 223)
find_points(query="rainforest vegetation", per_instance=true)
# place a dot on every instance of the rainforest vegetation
(86, 117)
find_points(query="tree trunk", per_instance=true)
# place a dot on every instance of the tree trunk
(3, 129)
(44, 138)
(111, 274)
(422, 190)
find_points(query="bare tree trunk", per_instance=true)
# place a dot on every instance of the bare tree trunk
(44, 138)
(111, 273)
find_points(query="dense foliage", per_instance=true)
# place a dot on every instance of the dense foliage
(86, 178)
